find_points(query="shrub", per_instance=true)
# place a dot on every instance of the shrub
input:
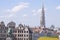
(47, 38)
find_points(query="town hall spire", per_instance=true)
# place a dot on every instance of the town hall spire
(42, 18)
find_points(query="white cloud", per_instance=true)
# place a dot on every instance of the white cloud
(12, 15)
(58, 7)
(34, 14)
(33, 11)
(3, 16)
(24, 15)
(12, 12)
(38, 11)
(8, 15)
(18, 7)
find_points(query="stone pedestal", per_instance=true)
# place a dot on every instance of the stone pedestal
(8, 38)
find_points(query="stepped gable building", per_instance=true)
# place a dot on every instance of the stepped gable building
(22, 32)
(3, 31)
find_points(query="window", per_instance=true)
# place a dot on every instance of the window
(25, 38)
(14, 31)
(19, 31)
(20, 38)
(3, 35)
(6, 28)
(2, 27)
(22, 31)
(0, 31)
(25, 31)
(20, 35)
(4, 31)
(15, 35)
(25, 35)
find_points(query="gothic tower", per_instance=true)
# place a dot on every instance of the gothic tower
(42, 18)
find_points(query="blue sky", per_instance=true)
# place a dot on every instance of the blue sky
(28, 12)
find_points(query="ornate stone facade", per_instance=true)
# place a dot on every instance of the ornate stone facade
(22, 32)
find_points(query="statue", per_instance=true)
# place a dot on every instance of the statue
(9, 30)
(9, 34)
